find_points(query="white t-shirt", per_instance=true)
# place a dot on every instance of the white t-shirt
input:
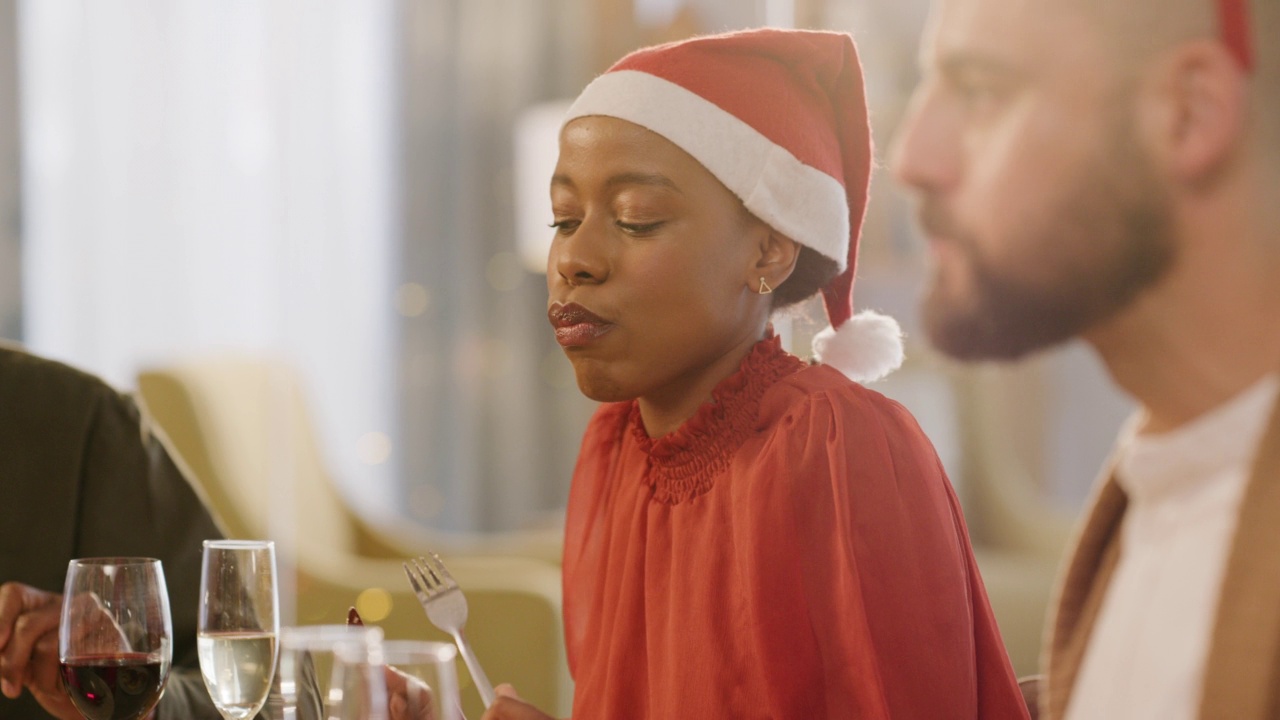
(1146, 656)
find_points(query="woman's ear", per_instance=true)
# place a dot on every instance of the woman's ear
(1193, 114)
(776, 260)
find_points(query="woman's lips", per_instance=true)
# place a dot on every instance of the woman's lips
(575, 325)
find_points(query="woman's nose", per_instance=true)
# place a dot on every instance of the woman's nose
(579, 258)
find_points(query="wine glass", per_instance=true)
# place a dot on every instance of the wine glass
(312, 683)
(416, 679)
(238, 625)
(115, 641)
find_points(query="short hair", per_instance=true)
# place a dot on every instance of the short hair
(1266, 82)
(812, 272)
(1141, 28)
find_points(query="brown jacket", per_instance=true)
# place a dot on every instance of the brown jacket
(1242, 678)
(82, 475)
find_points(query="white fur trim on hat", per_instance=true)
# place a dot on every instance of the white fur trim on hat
(865, 348)
(799, 201)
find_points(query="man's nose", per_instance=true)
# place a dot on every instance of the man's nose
(926, 152)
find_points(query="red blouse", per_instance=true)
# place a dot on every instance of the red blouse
(794, 550)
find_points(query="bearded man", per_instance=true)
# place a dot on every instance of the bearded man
(1111, 171)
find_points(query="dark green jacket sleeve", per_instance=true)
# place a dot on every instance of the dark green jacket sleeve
(137, 502)
(83, 474)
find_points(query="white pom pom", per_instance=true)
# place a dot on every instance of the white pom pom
(866, 348)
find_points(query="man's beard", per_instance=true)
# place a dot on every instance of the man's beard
(1118, 218)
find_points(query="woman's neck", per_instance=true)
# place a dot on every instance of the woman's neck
(667, 409)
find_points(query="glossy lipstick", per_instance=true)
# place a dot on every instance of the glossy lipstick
(575, 325)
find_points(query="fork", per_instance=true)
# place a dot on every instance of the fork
(446, 608)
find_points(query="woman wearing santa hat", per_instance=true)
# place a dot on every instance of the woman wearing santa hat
(748, 535)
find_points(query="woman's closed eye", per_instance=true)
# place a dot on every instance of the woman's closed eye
(565, 226)
(638, 229)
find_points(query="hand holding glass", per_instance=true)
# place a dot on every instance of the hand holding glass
(238, 626)
(114, 641)
(422, 680)
(314, 684)
(417, 680)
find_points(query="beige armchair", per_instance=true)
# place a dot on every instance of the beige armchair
(242, 427)
(1018, 536)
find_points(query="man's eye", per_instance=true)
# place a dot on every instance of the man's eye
(977, 93)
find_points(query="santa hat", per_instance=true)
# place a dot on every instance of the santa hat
(1233, 15)
(780, 118)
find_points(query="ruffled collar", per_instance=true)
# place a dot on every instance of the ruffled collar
(683, 464)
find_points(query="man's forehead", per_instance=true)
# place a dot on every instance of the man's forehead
(1013, 31)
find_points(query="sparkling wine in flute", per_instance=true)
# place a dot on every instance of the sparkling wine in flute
(237, 669)
(238, 625)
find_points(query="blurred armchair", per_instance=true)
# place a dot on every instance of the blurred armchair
(1018, 534)
(242, 427)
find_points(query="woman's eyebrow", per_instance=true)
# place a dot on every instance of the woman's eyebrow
(630, 178)
(636, 178)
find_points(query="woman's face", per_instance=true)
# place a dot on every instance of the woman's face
(651, 269)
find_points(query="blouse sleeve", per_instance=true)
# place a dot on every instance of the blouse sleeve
(584, 525)
(860, 578)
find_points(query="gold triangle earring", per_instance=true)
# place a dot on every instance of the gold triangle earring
(764, 287)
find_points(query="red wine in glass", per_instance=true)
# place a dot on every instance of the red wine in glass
(113, 687)
(114, 641)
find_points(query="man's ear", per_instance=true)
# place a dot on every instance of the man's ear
(1192, 113)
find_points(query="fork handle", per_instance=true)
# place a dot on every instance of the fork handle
(473, 666)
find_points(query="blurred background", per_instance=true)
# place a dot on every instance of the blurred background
(312, 235)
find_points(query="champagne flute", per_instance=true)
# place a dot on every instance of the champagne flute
(115, 639)
(239, 623)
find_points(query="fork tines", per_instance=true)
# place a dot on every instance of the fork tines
(413, 580)
(438, 569)
(430, 577)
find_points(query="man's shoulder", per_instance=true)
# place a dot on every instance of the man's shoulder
(29, 382)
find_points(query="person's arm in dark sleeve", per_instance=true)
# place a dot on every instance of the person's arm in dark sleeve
(137, 501)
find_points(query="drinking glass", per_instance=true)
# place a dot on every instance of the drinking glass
(312, 683)
(115, 641)
(239, 623)
(418, 680)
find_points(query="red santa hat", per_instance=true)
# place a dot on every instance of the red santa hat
(1233, 15)
(780, 118)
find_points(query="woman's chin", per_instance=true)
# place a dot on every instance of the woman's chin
(601, 388)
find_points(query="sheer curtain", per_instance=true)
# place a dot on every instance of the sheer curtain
(326, 182)
(490, 412)
(10, 251)
(205, 177)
